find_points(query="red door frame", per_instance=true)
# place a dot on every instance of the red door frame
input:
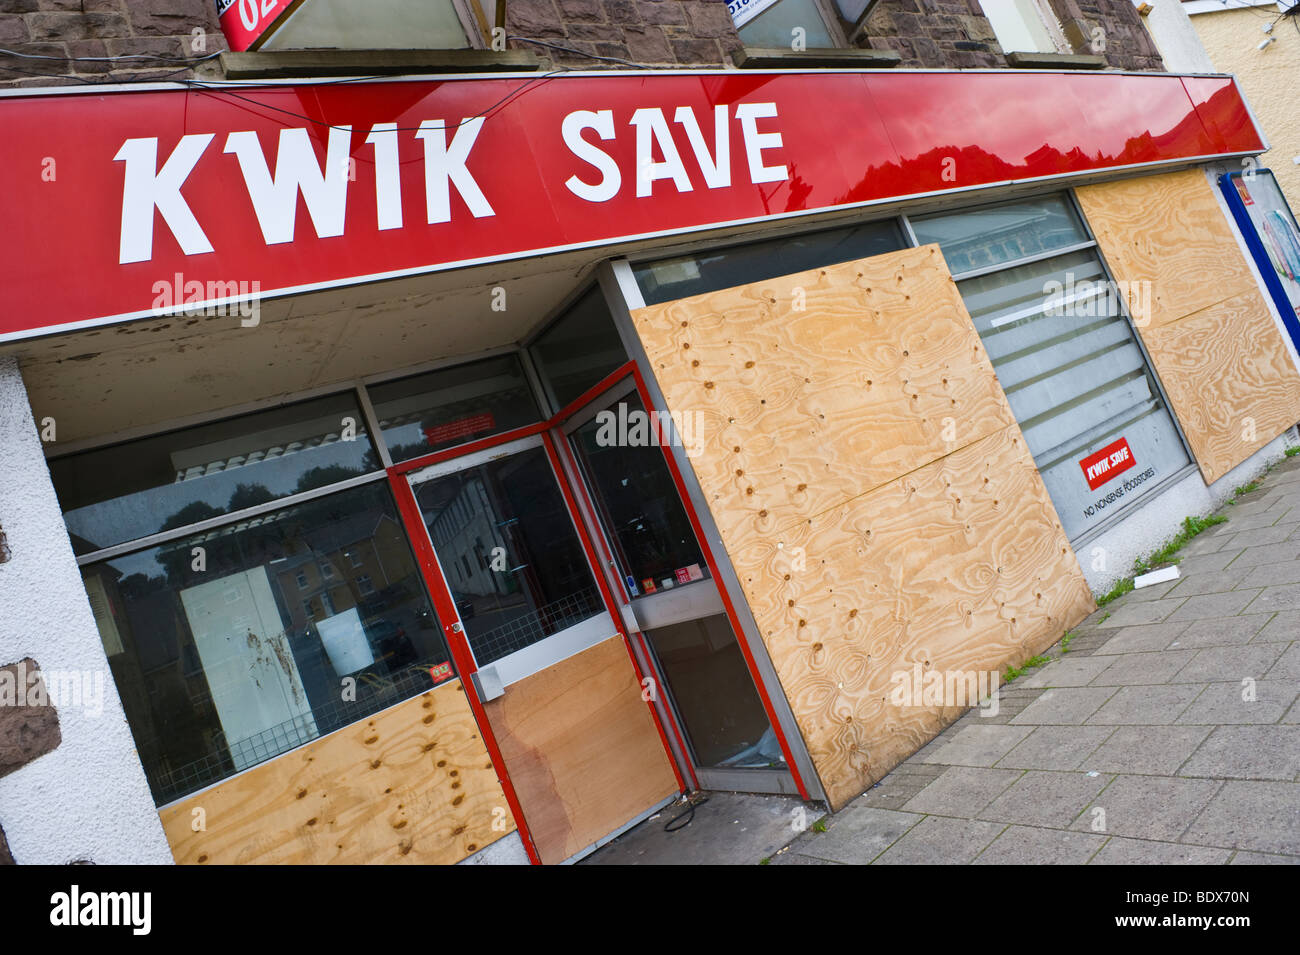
(576, 499)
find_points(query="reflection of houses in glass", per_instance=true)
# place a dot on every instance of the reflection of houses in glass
(465, 534)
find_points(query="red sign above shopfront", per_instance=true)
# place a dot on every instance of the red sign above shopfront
(112, 196)
(1108, 463)
(244, 21)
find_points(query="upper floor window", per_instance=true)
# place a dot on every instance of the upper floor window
(780, 24)
(381, 24)
(1025, 26)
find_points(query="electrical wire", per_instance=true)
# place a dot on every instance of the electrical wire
(112, 59)
(688, 812)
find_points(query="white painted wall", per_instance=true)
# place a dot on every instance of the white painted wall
(1180, 45)
(88, 799)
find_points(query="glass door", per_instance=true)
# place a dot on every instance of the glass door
(512, 559)
(671, 596)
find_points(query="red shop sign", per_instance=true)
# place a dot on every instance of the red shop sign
(131, 203)
(244, 21)
(1108, 463)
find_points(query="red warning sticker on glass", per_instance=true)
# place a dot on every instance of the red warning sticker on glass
(440, 672)
(1109, 462)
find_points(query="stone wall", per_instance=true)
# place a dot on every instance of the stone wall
(105, 28)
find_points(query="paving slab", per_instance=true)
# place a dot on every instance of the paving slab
(1219, 664)
(1259, 529)
(1247, 752)
(1208, 563)
(1148, 807)
(1285, 597)
(1027, 845)
(1140, 639)
(938, 840)
(1146, 705)
(979, 745)
(1266, 554)
(1157, 750)
(1040, 798)
(1227, 604)
(1287, 666)
(1064, 705)
(1056, 747)
(1144, 611)
(1066, 671)
(1283, 626)
(1120, 850)
(1262, 701)
(1268, 575)
(1221, 631)
(1262, 858)
(1131, 669)
(1215, 583)
(962, 791)
(1247, 814)
(857, 835)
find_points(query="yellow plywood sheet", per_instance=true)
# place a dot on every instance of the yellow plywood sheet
(1212, 340)
(959, 567)
(582, 749)
(901, 520)
(1230, 379)
(411, 784)
(811, 388)
(1167, 230)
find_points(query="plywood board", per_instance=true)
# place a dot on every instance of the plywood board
(1167, 230)
(1212, 339)
(812, 388)
(902, 520)
(581, 748)
(960, 567)
(411, 784)
(1229, 378)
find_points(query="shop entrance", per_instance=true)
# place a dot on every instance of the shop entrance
(614, 451)
(538, 640)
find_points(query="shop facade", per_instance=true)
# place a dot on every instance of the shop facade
(578, 442)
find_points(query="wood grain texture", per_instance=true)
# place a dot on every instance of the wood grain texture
(411, 784)
(961, 565)
(581, 748)
(877, 543)
(1167, 230)
(811, 388)
(1212, 340)
(1229, 378)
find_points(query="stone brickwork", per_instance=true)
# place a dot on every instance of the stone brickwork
(652, 32)
(29, 723)
(104, 28)
(954, 34)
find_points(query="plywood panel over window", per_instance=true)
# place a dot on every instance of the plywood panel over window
(411, 784)
(1211, 337)
(873, 491)
(581, 748)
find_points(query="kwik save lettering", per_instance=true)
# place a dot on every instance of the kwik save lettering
(448, 163)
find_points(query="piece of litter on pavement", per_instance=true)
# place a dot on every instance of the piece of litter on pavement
(1092, 772)
(1156, 577)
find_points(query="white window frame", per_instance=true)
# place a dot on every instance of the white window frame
(1047, 18)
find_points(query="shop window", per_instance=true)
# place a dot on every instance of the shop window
(655, 546)
(1054, 326)
(779, 24)
(264, 676)
(578, 349)
(130, 491)
(451, 406)
(669, 279)
(381, 25)
(1025, 26)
